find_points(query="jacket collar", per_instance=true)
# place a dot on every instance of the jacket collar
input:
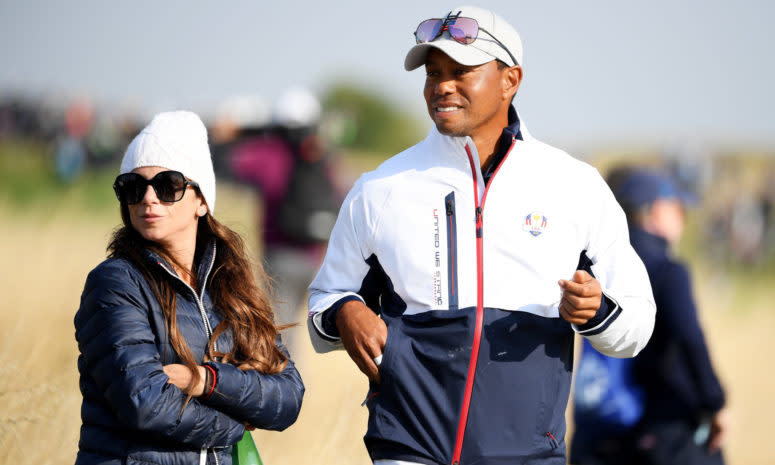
(515, 129)
(646, 241)
(510, 133)
(203, 265)
(455, 147)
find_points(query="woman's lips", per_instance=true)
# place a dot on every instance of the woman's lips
(151, 218)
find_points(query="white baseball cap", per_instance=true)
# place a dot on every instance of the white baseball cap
(496, 40)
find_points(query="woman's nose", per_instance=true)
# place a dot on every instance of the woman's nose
(150, 195)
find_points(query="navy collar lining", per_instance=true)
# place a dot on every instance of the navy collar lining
(510, 132)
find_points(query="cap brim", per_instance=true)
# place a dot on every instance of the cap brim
(464, 54)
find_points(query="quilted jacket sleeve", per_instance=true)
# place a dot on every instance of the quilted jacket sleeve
(261, 400)
(118, 347)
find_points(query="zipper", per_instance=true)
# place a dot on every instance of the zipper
(552, 441)
(198, 298)
(208, 329)
(478, 212)
(449, 205)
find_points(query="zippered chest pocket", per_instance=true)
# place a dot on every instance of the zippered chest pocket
(452, 265)
(436, 264)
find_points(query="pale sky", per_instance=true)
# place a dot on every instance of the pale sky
(594, 70)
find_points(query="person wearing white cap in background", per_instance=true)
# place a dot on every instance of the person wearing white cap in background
(179, 351)
(288, 164)
(459, 271)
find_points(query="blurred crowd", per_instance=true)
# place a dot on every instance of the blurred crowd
(734, 213)
(275, 148)
(78, 134)
(736, 190)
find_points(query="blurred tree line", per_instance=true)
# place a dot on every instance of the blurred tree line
(48, 147)
(69, 151)
(366, 121)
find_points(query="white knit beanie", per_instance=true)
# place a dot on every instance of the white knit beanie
(176, 140)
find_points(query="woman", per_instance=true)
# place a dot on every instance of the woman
(179, 350)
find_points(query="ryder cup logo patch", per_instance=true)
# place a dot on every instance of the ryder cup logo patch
(535, 224)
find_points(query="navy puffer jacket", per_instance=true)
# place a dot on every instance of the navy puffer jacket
(130, 414)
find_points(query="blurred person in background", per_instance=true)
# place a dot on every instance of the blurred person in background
(291, 168)
(237, 119)
(747, 228)
(70, 151)
(767, 204)
(459, 271)
(665, 406)
(179, 351)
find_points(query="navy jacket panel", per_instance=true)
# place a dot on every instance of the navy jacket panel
(522, 356)
(129, 410)
(433, 348)
(681, 383)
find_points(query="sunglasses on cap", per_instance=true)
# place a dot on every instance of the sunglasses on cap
(170, 186)
(463, 30)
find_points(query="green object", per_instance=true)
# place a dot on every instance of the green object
(245, 451)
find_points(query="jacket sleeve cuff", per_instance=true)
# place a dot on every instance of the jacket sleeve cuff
(228, 385)
(608, 311)
(267, 401)
(325, 322)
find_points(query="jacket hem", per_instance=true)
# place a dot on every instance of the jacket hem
(380, 449)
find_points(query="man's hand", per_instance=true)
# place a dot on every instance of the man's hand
(581, 298)
(718, 430)
(182, 377)
(363, 334)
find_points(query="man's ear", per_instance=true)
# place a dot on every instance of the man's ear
(512, 78)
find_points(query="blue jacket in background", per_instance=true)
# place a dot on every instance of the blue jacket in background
(675, 368)
(130, 413)
(663, 393)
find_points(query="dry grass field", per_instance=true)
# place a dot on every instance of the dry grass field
(44, 259)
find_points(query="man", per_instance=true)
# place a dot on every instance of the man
(451, 274)
(682, 418)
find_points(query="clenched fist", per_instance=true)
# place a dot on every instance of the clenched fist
(581, 298)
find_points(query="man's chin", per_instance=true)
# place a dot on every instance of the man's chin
(449, 130)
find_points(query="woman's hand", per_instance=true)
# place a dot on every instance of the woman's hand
(182, 377)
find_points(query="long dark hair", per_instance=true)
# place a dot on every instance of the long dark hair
(245, 307)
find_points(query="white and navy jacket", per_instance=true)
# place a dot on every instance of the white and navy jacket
(477, 364)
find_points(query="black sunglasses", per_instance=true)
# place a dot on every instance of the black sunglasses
(170, 186)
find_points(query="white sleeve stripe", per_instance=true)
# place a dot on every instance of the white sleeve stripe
(318, 325)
